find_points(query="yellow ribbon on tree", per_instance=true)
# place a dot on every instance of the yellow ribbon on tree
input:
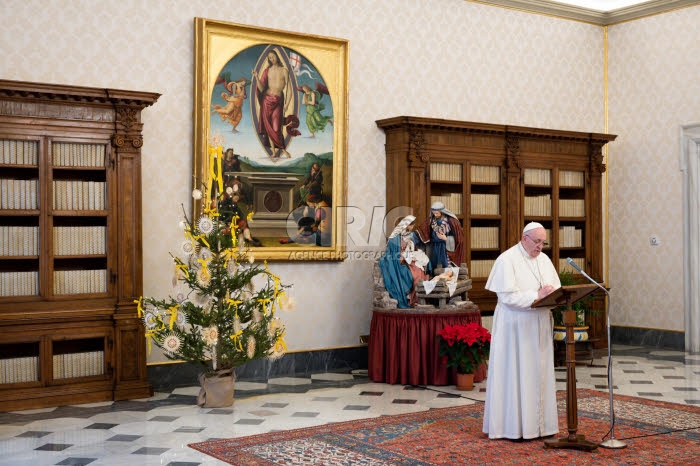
(237, 332)
(216, 154)
(173, 314)
(280, 344)
(211, 210)
(149, 335)
(263, 302)
(201, 238)
(276, 286)
(228, 254)
(234, 303)
(269, 272)
(234, 236)
(179, 265)
(236, 337)
(278, 297)
(205, 268)
(153, 333)
(234, 230)
(139, 306)
(276, 293)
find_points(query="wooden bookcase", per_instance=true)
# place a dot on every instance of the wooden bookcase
(497, 178)
(70, 245)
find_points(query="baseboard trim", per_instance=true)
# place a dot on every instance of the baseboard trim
(654, 338)
(167, 376)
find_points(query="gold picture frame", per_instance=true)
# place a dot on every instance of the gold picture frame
(270, 136)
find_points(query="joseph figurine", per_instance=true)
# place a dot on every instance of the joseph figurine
(443, 236)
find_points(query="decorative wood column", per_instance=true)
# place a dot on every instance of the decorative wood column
(419, 163)
(130, 360)
(595, 265)
(513, 175)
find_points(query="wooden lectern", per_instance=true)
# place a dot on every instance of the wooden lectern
(567, 295)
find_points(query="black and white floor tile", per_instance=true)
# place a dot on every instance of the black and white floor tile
(156, 431)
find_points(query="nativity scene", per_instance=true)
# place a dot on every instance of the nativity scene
(422, 266)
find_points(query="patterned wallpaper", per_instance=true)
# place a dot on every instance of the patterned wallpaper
(435, 58)
(654, 89)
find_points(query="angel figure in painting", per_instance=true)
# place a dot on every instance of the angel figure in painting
(311, 98)
(232, 112)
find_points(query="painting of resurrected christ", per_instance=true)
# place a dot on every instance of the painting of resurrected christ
(271, 136)
(278, 138)
(276, 103)
(288, 105)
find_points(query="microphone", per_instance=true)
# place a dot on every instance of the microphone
(573, 264)
(612, 442)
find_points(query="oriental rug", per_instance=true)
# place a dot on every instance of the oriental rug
(655, 433)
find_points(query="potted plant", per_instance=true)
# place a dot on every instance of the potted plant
(464, 347)
(222, 313)
(582, 308)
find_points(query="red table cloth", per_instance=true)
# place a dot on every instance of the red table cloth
(403, 346)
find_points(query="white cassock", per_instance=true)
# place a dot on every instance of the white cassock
(521, 388)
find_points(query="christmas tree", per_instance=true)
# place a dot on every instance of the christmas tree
(223, 312)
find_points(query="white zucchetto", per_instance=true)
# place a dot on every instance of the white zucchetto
(532, 226)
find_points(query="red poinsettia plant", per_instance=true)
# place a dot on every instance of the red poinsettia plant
(464, 347)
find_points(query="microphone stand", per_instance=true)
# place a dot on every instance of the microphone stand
(612, 442)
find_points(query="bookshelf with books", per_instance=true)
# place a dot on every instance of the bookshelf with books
(485, 224)
(501, 177)
(70, 257)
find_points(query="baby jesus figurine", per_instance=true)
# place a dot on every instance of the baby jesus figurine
(449, 275)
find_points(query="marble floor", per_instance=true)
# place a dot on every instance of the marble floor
(157, 430)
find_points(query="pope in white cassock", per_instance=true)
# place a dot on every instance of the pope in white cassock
(521, 398)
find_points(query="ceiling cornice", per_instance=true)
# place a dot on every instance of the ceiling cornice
(587, 15)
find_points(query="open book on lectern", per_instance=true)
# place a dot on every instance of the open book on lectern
(559, 296)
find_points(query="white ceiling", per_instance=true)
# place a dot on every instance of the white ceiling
(600, 12)
(602, 5)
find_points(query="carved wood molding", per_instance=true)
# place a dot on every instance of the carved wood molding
(36, 109)
(29, 91)
(417, 157)
(121, 141)
(127, 116)
(414, 124)
(517, 139)
(512, 148)
(127, 128)
(595, 150)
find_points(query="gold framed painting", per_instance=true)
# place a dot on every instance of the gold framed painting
(270, 137)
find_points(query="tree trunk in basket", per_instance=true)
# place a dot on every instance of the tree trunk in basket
(465, 382)
(217, 389)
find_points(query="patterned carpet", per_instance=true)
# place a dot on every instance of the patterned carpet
(655, 433)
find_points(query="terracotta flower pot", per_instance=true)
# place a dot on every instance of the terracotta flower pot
(465, 382)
